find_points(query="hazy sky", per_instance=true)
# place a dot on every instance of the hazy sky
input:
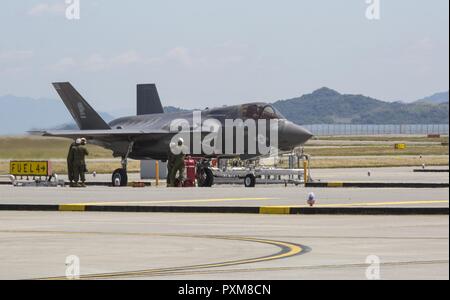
(205, 53)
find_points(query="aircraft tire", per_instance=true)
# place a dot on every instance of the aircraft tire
(121, 175)
(205, 178)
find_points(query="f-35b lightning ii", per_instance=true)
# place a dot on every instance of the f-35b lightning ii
(149, 135)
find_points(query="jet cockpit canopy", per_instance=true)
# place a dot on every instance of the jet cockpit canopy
(260, 111)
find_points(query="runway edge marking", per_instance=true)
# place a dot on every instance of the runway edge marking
(71, 207)
(275, 210)
(278, 210)
(335, 184)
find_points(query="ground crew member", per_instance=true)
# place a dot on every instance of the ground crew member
(70, 156)
(177, 156)
(79, 165)
(170, 163)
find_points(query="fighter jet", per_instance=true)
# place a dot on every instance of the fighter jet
(149, 134)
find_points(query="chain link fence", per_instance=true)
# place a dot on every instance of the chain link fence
(365, 129)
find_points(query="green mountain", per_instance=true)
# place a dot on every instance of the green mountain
(437, 98)
(326, 106)
(172, 109)
(20, 114)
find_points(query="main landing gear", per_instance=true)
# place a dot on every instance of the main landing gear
(120, 176)
(205, 176)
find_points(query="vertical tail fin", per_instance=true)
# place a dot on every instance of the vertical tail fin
(83, 114)
(148, 101)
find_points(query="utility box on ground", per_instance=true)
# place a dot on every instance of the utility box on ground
(148, 169)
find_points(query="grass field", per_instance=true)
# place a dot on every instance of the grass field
(374, 150)
(31, 147)
(386, 138)
(434, 152)
(375, 162)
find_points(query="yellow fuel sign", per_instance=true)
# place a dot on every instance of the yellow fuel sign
(30, 168)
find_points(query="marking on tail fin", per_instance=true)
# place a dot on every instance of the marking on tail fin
(82, 110)
(83, 114)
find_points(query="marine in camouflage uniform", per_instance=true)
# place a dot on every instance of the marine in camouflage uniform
(70, 157)
(176, 164)
(170, 163)
(79, 165)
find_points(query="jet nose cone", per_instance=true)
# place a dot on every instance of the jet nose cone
(293, 135)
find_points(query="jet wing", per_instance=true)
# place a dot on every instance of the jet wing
(105, 134)
(98, 134)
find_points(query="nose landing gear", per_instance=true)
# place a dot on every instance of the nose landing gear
(120, 176)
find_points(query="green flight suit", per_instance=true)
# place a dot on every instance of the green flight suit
(79, 165)
(70, 160)
(170, 164)
(178, 166)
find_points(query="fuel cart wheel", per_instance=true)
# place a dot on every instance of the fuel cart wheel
(250, 181)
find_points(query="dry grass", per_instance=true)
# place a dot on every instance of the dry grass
(433, 155)
(373, 150)
(386, 138)
(44, 148)
(30, 147)
(374, 162)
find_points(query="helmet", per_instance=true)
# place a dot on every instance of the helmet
(83, 141)
(78, 141)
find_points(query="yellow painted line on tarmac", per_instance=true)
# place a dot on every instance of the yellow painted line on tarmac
(288, 250)
(175, 201)
(293, 249)
(390, 203)
(376, 203)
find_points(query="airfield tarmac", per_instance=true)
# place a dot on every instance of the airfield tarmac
(227, 196)
(400, 174)
(262, 195)
(198, 246)
(228, 246)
